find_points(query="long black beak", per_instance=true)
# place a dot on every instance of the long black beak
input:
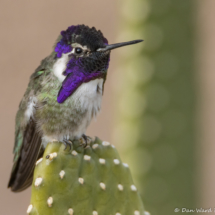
(117, 45)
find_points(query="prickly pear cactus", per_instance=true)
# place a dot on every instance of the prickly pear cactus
(91, 181)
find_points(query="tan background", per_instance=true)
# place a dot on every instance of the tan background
(205, 65)
(28, 32)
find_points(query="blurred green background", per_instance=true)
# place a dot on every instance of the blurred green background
(156, 102)
(158, 105)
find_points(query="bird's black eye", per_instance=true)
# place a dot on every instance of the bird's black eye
(78, 50)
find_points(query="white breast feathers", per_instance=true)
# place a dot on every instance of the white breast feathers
(89, 96)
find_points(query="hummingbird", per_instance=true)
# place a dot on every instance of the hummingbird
(63, 95)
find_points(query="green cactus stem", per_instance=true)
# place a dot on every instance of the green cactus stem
(90, 181)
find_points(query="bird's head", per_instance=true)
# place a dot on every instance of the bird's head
(86, 53)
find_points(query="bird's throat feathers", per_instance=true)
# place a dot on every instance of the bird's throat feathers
(74, 74)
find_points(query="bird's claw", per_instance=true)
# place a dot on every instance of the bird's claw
(86, 140)
(67, 143)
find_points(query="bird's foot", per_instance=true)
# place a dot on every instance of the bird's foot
(85, 140)
(67, 143)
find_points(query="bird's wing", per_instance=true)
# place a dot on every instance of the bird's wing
(27, 148)
(29, 141)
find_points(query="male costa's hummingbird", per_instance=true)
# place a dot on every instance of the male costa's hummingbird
(63, 96)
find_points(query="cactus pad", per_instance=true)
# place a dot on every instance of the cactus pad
(90, 181)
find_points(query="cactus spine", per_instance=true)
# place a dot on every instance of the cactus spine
(91, 181)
